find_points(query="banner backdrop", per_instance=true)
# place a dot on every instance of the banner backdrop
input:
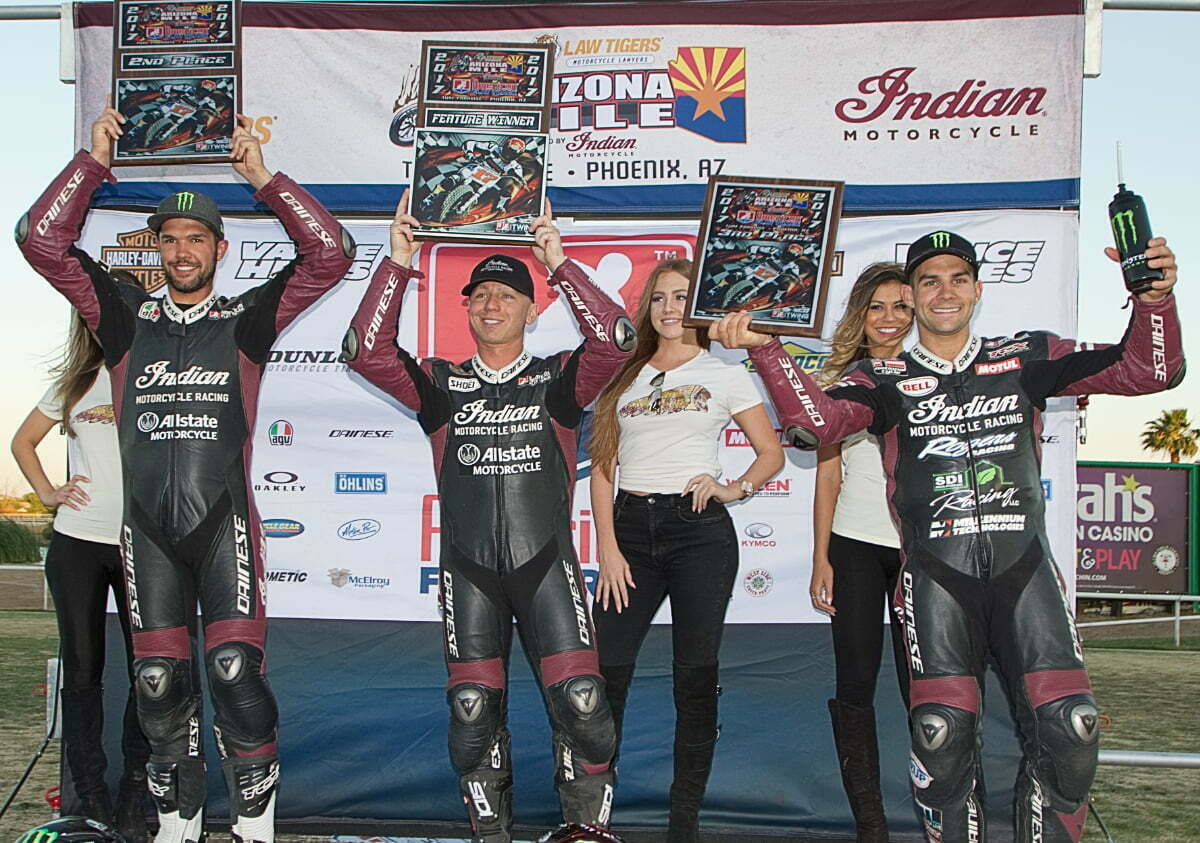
(884, 96)
(343, 475)
(1134, 528)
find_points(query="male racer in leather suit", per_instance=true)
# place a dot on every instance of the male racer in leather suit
(503, 429)
(959, 418)
(185, 369)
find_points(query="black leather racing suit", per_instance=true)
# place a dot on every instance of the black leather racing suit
(961, 449)
(185, 393)
(504, 452)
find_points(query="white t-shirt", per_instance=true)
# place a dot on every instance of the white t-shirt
(662, 447)
(93, 453)
(862, 511)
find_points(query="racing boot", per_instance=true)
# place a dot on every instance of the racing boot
(858, 758)
(487, 794)
(178, 790)
(82, 725)
(131, 806)
(696, 731)
(131, 797)
(252, 783)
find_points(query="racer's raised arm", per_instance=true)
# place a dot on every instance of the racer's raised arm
(1149, 358)
(369, 346)
(608, 335)
(810, 416)
(324, 248)
(46, 234)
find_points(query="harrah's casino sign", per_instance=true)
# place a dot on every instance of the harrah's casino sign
(894, 96)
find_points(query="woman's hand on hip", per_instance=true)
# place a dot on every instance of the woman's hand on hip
(704, 487)
(69, 494)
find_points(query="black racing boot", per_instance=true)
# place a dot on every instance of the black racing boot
(858, 758)
(696, 732)
(132, 801)
(82, 725)
(133, 795)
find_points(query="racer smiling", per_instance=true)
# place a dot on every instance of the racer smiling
(978, 579)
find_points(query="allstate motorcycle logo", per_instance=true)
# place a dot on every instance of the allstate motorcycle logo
(147, 422)
(281, 528)
(359, 529)
(469, 454)
(758, 582)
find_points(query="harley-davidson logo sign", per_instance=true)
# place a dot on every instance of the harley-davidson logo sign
(136, 252)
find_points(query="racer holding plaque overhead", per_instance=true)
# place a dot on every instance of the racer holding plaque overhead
(959, 419)
(503, 429)
(185, 371)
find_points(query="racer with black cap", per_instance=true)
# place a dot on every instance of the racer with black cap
(185, 369)
(959, 419)
(503, 428)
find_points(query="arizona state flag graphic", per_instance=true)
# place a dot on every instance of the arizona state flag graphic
(710, 92)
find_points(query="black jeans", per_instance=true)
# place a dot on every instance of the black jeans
(80, 574)
(672, 551)
(864, 579)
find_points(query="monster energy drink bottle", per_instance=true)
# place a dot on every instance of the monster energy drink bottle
(1131, 231)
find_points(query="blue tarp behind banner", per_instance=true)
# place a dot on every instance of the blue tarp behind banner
(363, 717)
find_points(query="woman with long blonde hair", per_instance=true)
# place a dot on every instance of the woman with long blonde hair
(668, 534)
(856, 555)
(82, 564)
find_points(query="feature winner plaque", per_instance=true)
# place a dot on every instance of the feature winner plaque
(766, 246)
(482, 140)
(177, 79)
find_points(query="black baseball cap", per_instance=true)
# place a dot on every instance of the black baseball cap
(940, 243)
(503, 269)
(190, 206)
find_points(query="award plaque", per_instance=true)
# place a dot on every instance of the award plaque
(766, 246)
(177, 80)
(482, 140)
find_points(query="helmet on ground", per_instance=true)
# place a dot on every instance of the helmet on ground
(579, 833)
(71, 830)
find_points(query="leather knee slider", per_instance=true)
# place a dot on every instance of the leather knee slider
(1069, 731)
(244, 707)
(167, 705)
(581, 712)
(943, 749)
(476, 714)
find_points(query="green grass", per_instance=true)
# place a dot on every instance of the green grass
(17, 544)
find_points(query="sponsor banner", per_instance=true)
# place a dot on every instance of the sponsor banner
(1132, 530)
(343, 476)
(664, 96)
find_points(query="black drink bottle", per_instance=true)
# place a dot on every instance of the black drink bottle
(1131, 231)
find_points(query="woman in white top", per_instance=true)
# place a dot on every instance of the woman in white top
(655, 433)
(856, 550)
(82, 564)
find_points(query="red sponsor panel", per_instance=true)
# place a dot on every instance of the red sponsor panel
(619, 264)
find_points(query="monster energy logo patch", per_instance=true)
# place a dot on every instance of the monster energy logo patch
(183, 201)
(1123, 226)
(940, 239)
(38, 835)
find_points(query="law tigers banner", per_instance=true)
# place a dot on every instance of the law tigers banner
(650, 99)
(343, 475)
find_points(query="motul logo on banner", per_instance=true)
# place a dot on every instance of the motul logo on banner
(620, 270)
(889, 96)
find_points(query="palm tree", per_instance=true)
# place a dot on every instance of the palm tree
(1173, 434)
